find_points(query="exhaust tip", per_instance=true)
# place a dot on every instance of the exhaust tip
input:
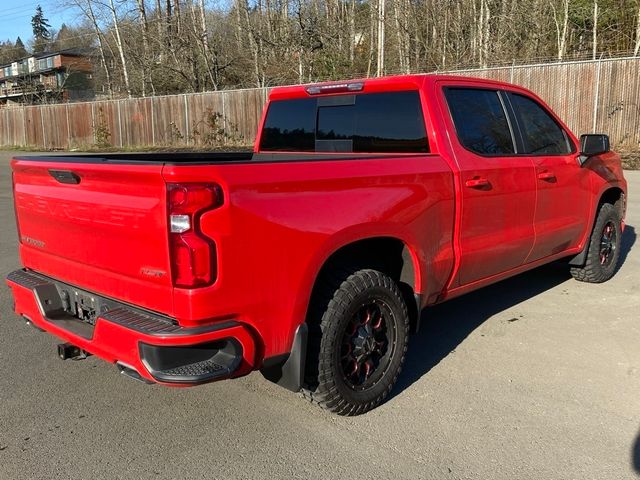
(131, 372)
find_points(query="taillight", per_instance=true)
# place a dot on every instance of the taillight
(193, 255)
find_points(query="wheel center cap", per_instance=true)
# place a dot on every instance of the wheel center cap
(364, 343)
(369, 344)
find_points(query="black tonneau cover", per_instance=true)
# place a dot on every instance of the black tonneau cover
(204, 158)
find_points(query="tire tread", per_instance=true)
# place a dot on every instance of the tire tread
(592, 271)
(337, 290)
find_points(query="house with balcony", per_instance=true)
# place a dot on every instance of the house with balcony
(49, 77)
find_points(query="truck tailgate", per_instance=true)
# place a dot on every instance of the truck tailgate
(102, 226)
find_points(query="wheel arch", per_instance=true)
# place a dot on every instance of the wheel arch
(387, 253)
(613, 195)
(390, 255)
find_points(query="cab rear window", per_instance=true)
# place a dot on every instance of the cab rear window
(369, 122)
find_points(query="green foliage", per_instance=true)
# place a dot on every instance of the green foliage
(18, 49)
(10, 52)
(41, 34)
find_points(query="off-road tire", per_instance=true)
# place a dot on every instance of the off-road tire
(595, 270)
(337, 303)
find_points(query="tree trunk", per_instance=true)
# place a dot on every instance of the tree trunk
(595, 29)
(103, 58)
(169, 25)
(381, 29)
(145, 46)
(253, 44)
(176, 12)
(159, 17)
(636, 49)
(399, 39)
(206, 51)
(352, 31)
(119, 44)
(372, 30)
(484, 32)
(565, 24)
(445, 31)
(562, 25)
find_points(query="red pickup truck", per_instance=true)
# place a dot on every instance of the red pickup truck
(312, 257)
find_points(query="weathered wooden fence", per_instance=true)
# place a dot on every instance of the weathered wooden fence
(230, 116)
(601, 95)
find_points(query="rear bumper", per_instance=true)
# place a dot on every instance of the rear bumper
(151, 345)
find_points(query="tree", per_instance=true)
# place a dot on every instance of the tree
(41, 34)
(120, 45)
(173, 46)
(636, 48)
(19, 50)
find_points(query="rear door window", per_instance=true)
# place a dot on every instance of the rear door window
(541, 133)
(371, 122)
(480, 121)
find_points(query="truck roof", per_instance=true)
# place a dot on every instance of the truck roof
(389, 83)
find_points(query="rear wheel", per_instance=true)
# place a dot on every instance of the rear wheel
(358, 340)
(604, 247)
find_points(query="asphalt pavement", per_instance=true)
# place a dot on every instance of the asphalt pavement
(537, 377)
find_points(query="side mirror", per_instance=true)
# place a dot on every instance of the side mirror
(593, 144)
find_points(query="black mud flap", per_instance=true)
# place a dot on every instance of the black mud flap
(288, 370)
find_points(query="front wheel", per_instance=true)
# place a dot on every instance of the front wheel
(604, 247)
(357, 343)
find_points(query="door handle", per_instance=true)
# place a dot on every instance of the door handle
(477, 182)
(549, 176)
(65, 176)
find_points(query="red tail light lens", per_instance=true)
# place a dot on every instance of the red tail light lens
(193, 255)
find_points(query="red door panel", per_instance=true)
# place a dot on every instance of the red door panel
(496, 232)
(562, 205)
(498, 187)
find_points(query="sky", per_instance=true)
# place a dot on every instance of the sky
(15, 17)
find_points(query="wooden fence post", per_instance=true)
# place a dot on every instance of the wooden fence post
(44, 134)
(24, 126)
(153, 124)
(120, 125)
(224, 115)
(186, 120)
(93, 121)
(66, 109)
